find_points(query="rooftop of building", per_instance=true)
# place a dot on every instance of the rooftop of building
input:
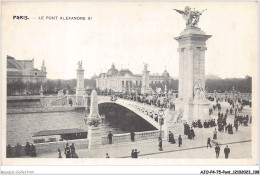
(16, 65)
(112, 72)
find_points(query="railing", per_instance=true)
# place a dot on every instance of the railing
(122, 138)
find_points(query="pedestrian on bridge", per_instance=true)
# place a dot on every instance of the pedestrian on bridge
(208, 142)
(217, 150)
(132, 136)
(170, 136)
(215, 134)
(136, 153)
(180, 140)
(67, 151)
(110, 136)
(160, 144)
(59, 153)
(226, 151)
(133, 153)
(107, 156)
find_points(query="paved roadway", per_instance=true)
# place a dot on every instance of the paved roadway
(239, 143)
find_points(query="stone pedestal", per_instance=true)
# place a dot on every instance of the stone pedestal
(94, 132)
(201, 110)
(94, 137)
(192, 47)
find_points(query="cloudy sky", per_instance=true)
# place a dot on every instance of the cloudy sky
(128, 34)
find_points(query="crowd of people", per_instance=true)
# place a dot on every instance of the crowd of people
(189, 131)
(206, 124)
(19, 150)
(172, 140)
(156, 99)
(69, 151)
(134, 153)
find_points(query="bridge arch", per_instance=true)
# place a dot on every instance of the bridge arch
(146, 114)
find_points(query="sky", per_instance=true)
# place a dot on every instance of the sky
(128, 35)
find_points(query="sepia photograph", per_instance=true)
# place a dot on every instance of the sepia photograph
(129, 83)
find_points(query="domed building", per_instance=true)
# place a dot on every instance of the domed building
(125, 80)
(165, 74)
(112, 71)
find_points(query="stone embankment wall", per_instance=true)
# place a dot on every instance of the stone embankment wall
(39, 110)
(120, 138)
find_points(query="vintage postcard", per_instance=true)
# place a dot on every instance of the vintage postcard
(129, 83)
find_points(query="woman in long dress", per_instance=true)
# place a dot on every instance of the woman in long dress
(170, 136)
(173, 140)
(215, 134)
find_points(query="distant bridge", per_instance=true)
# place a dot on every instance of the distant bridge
(147, 112)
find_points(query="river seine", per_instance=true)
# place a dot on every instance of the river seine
(21, 127)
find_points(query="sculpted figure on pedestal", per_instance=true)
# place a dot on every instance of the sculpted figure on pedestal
(190, 16)
(199, 93)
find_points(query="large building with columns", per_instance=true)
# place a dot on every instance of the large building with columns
(124, 79)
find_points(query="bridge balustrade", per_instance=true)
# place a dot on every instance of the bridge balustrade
(123, 138)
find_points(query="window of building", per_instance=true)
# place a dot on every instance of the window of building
(123, 83)
(35, 73)
(136, 83)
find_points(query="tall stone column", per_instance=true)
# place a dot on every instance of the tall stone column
(80, 85)
(145, 80)
(192, 46)
(94, 131)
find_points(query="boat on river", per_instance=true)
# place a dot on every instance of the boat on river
(59, 135)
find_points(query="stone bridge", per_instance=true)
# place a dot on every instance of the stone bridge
(147, 112)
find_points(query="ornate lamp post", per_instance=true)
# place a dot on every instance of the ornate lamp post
(215, 95)
(161, 122)
(233, 92)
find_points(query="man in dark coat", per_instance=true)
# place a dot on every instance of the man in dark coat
(160, 144)
(136, 153)
(236, 125)
(18, 150)
(133, 153)
(170, 136)
(192, 133)
(199, 124)
(27, 149)
(173, 140)
(180, 140)
(132, 136)
(189, 134)
(217, 150)
(208, 142)
(67, 151)
(226, 151)
(110, 136)
(73, 151)
(8, 151)
(32, 151)
(215, 134)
